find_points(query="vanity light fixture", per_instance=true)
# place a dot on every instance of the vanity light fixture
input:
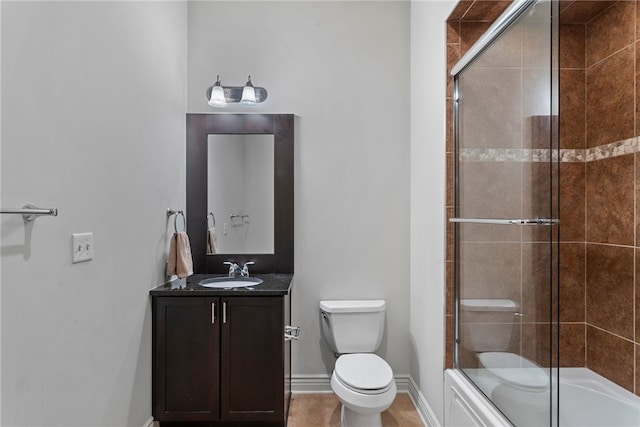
(222, 96)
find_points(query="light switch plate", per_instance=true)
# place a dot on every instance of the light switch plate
(81, 247)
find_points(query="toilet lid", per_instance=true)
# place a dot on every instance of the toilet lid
(514, 369)
(363, 371)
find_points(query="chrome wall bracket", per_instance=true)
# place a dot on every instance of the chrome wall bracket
(291, 333)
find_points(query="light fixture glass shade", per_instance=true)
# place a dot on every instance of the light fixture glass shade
(248, 94)
(217, 95)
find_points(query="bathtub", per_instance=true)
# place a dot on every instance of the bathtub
(590, 400)
(586, 400)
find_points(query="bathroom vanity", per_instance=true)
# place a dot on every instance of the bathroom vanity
(220, 356)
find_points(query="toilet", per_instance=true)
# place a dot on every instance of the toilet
(517, 385)
(361, 380)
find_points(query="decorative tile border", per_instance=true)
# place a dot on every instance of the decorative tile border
(615, 149)
(503, 155)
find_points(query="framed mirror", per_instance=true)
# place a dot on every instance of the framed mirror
(240, 170)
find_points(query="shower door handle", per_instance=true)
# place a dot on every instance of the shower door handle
(512, 221)
(534, 221)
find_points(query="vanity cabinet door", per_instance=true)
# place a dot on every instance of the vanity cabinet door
(187, 358)
(252, 362)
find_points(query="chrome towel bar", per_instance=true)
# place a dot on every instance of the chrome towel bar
(29, 212)
(518, 221)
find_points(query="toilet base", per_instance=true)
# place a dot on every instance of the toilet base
(362, 410)
(349, 418)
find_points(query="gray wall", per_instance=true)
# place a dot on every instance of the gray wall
(427, 241)
(93, 102)
(105, 85)
(343, 69)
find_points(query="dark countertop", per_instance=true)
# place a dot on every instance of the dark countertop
(273, 285)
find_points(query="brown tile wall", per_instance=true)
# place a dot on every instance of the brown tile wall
(573, 135)
(468, 21)
(600, 254)
(611, 300)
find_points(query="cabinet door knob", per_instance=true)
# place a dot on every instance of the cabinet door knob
(213, 313)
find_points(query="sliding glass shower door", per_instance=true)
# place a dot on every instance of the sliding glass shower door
(506, 213)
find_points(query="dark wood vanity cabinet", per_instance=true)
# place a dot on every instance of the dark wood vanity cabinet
(220, 360)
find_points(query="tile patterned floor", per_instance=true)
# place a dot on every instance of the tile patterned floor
(323, 410)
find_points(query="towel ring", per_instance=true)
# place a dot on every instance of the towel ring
(184, 221)
(213, 217)
(175, 219)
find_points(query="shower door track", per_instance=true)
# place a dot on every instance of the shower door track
(518, 221)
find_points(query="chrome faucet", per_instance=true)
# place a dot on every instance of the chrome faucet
(245, 269)
(234, 269)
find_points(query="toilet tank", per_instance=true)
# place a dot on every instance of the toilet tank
(487, 324)
(352, 326)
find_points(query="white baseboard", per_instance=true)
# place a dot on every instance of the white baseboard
(150, 423)
(321, 383)
(427, 415)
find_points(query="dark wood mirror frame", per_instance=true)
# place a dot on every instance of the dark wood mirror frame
(199, 127)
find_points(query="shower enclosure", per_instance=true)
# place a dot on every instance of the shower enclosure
(507, 213)
(546, 312)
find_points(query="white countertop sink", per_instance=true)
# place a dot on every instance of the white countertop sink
(230, 282)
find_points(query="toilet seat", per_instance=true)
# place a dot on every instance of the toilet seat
(515, 370)
(364, 373)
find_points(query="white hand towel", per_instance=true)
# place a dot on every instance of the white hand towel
(180, 262)
(212, 241)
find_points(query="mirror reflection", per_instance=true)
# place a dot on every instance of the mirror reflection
(240, 182)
